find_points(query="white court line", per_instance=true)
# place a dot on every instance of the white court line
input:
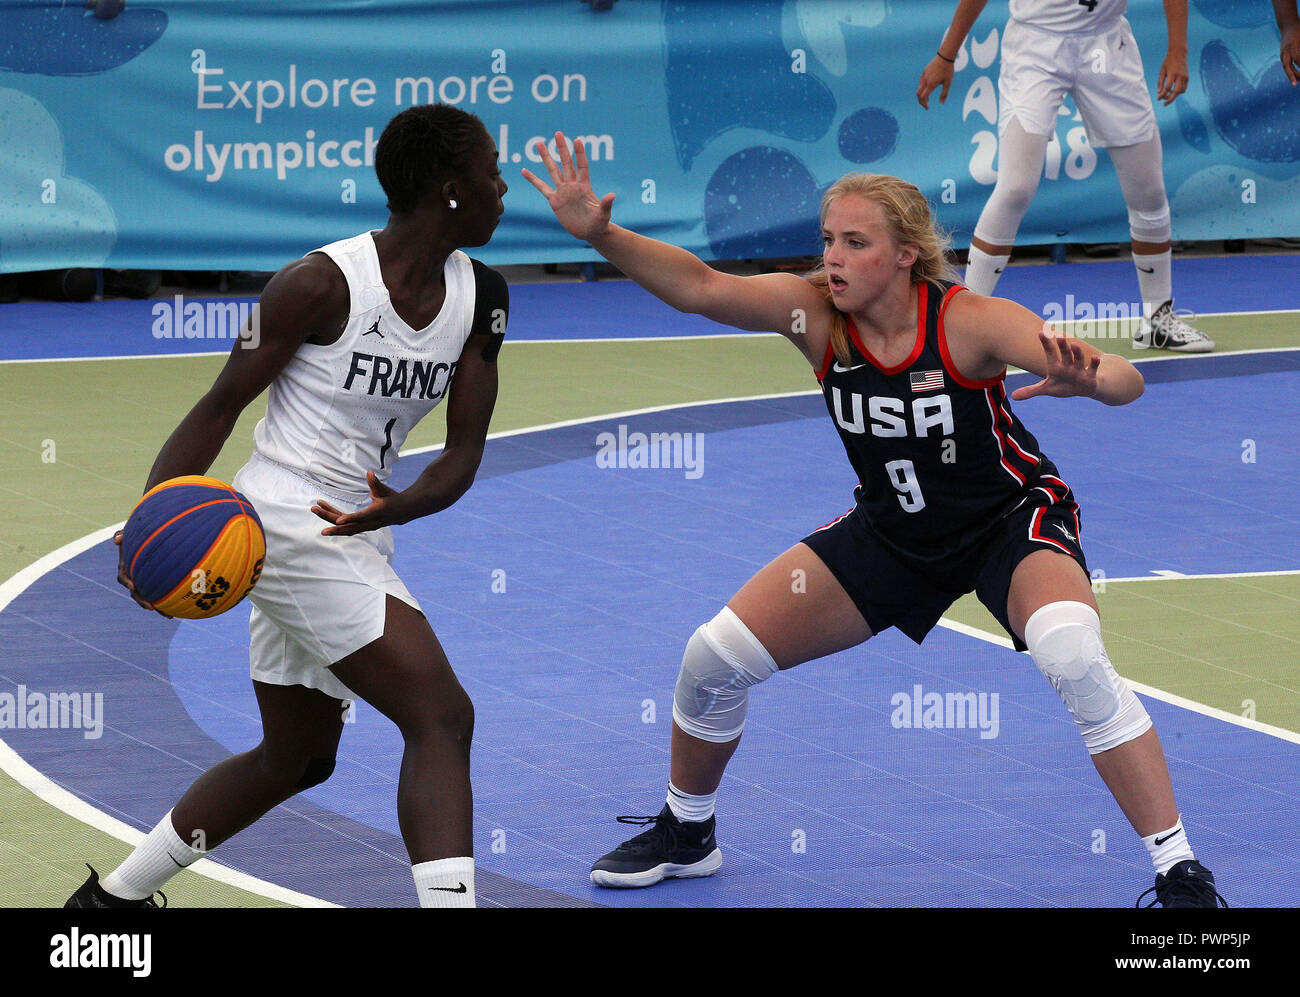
(1001, 640)
(698, 336)
(52, 793)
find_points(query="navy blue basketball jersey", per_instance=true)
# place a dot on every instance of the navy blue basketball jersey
(939, 458)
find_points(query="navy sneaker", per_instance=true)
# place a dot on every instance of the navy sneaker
(1188, 884)
(667, 849)
(91, 894)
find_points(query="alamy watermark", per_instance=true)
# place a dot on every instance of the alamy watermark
(26, 710)
(1095, 320)
(923, 710)
(213, 318)
(683, 451)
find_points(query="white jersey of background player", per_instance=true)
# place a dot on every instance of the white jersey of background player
(1084, 48)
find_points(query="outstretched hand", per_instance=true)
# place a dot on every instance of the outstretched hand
(383, 510)
(583, 215)
(1069, 370)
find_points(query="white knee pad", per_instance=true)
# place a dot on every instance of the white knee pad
(722, 660)
(1150, 226)
(1065, 641)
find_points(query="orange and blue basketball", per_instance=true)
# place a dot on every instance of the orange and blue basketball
(193, 547)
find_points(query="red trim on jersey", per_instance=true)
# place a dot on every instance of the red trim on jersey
(826, 364)
(834, 521)
(922, 299)
(1036, 534)
(995, 411)
(1002, 404)
(949, 366)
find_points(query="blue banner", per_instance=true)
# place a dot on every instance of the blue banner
(239, 135)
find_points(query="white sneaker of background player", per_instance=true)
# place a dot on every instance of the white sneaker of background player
(1166, 330)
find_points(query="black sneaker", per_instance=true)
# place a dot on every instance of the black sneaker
(1188, 884)
(667, 849)
(91, 894)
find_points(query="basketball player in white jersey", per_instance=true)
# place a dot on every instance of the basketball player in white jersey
(359, 340)
(1085, 48)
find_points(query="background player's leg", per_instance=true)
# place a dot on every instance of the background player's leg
(1141, 177)
(798, 611)
(406, 677)
(1135, 771)
(1020, 165)
(300, 735)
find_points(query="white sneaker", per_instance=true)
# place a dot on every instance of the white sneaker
(1166, 330)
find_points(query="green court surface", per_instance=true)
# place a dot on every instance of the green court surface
(77, 439)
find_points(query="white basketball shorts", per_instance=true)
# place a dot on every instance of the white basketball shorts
(319, 598)
(1102, 70)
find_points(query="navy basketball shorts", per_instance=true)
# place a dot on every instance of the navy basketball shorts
(893, 591)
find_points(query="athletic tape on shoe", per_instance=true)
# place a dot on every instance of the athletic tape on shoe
(721, 661)
(1064, 639)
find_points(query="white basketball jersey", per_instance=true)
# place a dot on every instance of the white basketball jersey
(338, 411)
(1068, 15)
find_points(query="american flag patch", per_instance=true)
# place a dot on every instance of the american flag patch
(929, 380)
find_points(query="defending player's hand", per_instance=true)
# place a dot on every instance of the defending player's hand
(1069, 370)
(1173, 77)
(383, 510)
(583, 215)
(937, 73)
(124, 579)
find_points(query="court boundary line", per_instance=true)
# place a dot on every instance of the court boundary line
(696, 337)
(1213, 712)
(44, 788)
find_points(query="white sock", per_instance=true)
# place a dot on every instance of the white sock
(1172, 849)
(686, 807)
(983, 270)
(158, 858)
(445, 882)
(1155, 279)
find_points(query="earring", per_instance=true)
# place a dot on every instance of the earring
(452, 204)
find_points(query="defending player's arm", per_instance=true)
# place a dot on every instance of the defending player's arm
(783, 303)
(470, 403)
(1173, 71)
(996, 333)
(1288, 22)
(940, 68)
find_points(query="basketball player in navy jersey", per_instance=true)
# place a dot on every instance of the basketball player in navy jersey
(358, 341)
(955, 496)
(1085, 48)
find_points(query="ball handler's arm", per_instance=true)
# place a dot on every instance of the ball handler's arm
(783, 303)
(470, 403)
(307, 298)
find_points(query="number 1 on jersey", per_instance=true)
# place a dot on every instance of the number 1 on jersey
(902, 475)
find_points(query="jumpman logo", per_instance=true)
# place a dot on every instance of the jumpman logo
(1068, 534)
(375, 329)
